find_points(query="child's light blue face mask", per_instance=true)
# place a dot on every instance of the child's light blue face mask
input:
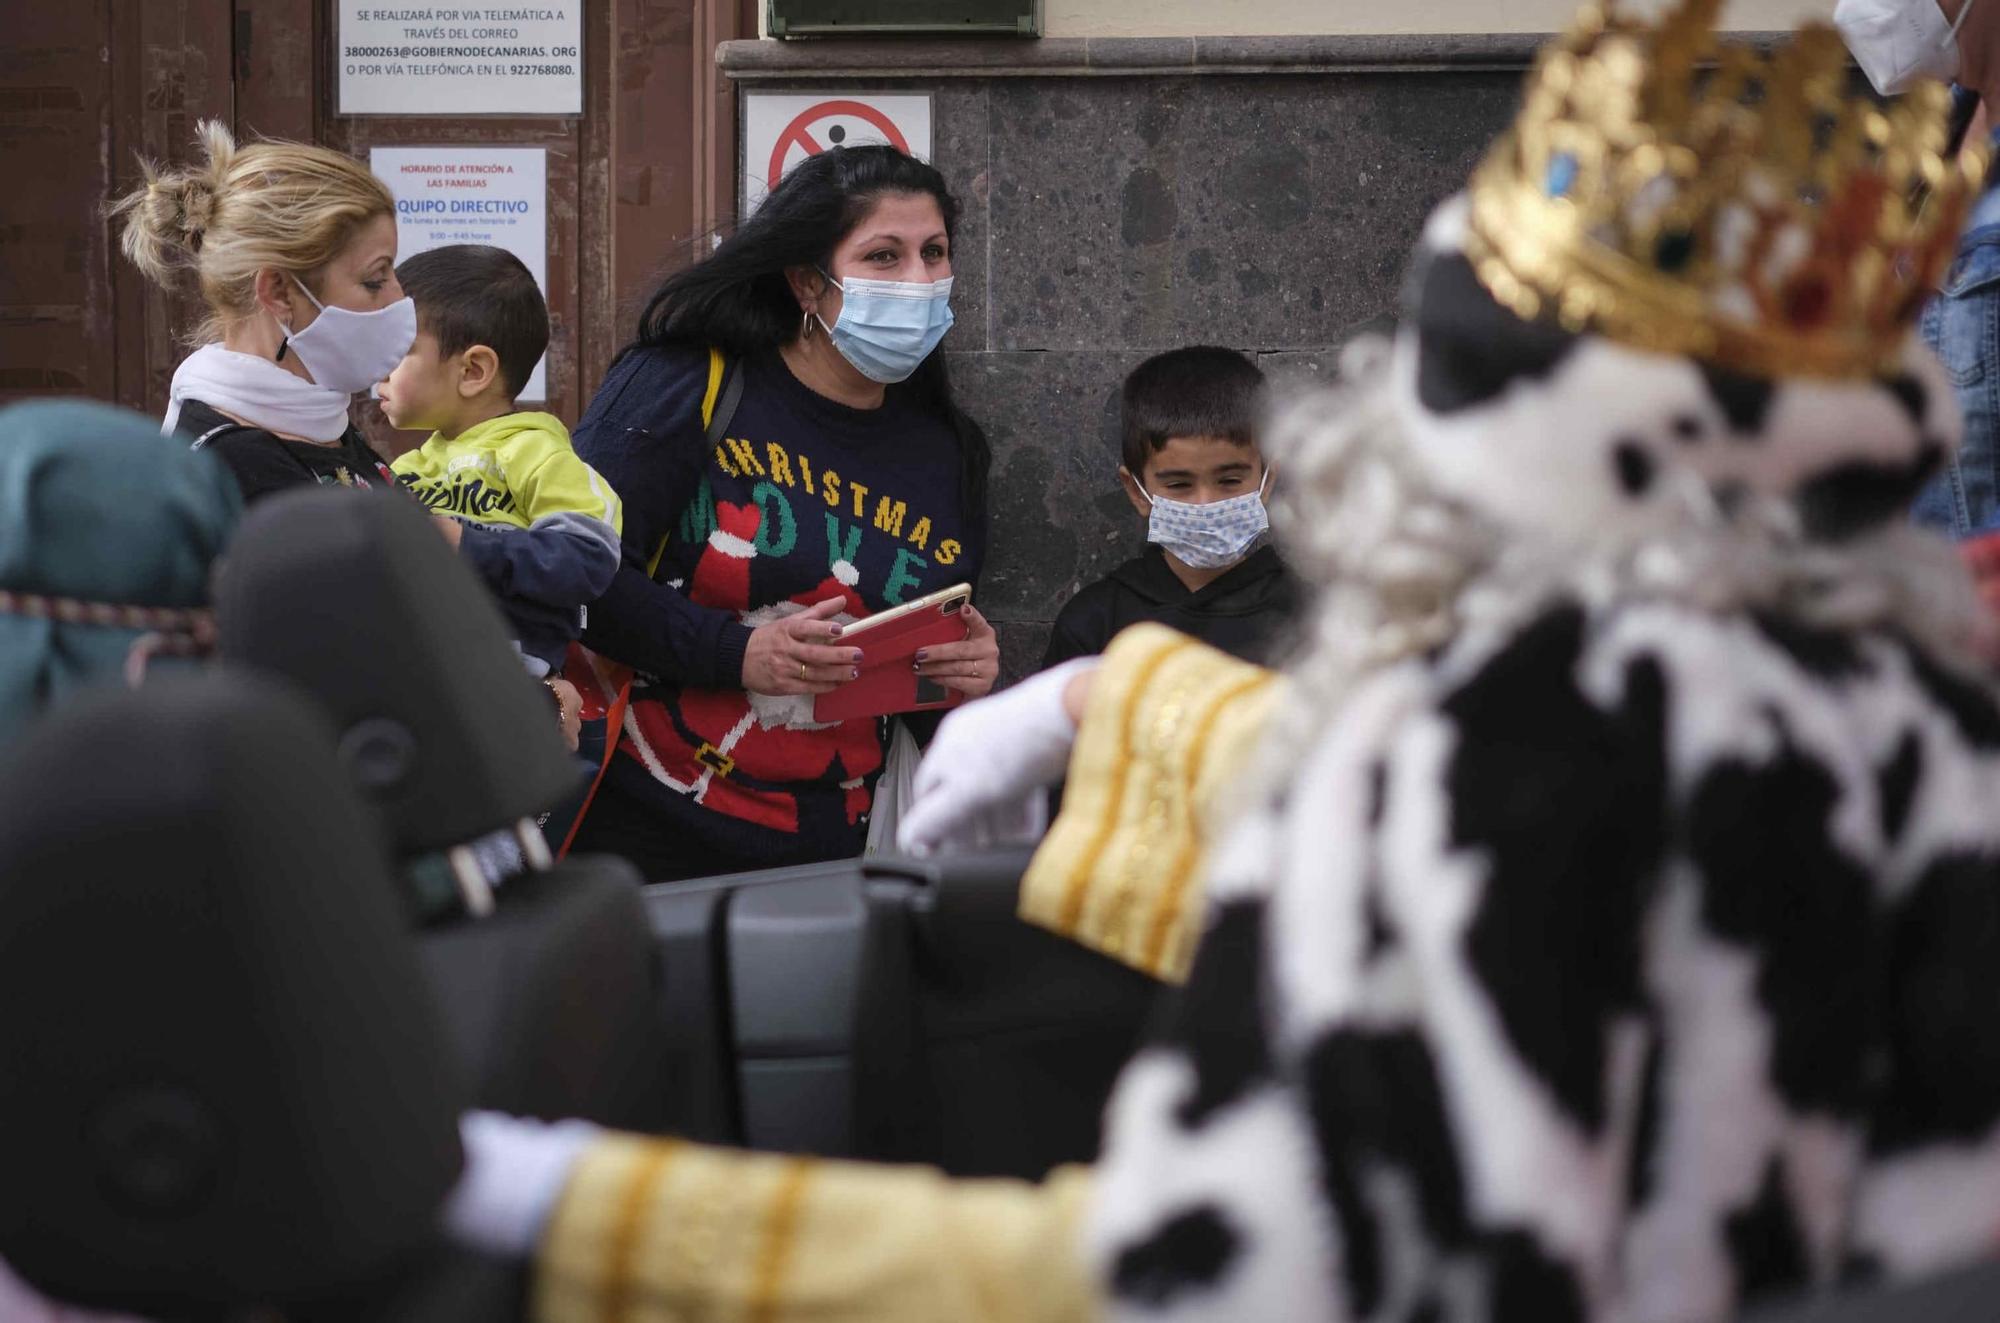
(1214, 536)
(886, 328)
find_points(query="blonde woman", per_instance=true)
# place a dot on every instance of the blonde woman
(292, 250)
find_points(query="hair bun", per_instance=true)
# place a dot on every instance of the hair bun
(182, 205)
(210, 225)
(166, 220)
(196, 205)
(200, 186)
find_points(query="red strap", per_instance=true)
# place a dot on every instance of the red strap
(614, 725)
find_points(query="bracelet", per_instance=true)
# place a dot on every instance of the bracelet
(555, 694)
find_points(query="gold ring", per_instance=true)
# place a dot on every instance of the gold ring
(802, 672)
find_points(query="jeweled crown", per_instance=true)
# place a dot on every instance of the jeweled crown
(1684, 196)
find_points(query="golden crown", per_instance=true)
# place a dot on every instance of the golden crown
(1687, 197)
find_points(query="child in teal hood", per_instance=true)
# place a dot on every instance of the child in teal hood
(108, 530)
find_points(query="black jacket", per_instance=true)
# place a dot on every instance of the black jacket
(1247, 612)
(264, 463)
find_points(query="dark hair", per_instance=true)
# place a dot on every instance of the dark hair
(736, 298)
(1198, 391)
(474, 294)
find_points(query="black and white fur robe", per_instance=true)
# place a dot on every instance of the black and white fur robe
(1634, 954)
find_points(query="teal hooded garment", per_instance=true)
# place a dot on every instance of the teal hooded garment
(96, 506)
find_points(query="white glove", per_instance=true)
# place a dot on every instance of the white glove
(515, 1170)
(988, 771)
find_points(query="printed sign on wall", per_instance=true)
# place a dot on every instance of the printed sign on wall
(780, 129)
(490, 195)
(498, 58)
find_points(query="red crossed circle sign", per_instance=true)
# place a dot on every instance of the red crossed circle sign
(799, 132)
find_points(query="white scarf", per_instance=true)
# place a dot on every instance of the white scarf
(259, 392)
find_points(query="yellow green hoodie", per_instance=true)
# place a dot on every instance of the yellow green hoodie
(539, 524)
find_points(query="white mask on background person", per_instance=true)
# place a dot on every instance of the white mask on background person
(1214, 536)
(1898, 42)
(350, 351)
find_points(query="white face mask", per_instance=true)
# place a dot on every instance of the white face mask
(1212, 536)
(350, 351)
(1898, 42)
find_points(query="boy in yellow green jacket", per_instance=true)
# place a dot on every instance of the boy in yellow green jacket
(540, 525)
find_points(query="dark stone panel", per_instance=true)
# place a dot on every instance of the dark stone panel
(1022, 645)
(959, 147)
(1085, 210)
(1149, 53)
(1261, 212)
(1293, 370)
(1059, 517)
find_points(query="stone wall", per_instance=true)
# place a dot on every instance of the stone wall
(1110, 214)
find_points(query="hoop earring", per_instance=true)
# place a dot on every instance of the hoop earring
(805, 324)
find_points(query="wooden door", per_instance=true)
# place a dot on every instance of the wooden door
(86, 86)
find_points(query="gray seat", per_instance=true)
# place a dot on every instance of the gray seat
(893, 1009)
(354, 598)
(223, 1087)
(1018, 1034)
(689, 922)
(1966, 1295)
(548, 1000)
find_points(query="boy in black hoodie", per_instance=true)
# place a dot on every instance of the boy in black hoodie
(1193, 471)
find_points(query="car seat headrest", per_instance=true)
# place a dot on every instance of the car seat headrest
(356, 599)
(223, 1079)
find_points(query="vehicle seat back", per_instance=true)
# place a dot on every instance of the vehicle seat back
(223, 1080)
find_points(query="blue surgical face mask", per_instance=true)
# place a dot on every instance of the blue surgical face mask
(887, 327)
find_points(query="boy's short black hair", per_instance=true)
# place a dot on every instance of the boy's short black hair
(474, 294)
(1199, 391)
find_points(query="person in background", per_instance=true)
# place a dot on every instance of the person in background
(844, 480)
(1898, 44)
(293, 251)
(107, 533)
(539, 525)
(1194, 472)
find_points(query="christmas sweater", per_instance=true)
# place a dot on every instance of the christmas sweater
(804, 499)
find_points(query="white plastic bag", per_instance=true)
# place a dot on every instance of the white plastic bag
(895, 789)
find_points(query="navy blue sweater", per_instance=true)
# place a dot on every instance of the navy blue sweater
(805, 499)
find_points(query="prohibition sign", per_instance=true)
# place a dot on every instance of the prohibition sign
(799, 132)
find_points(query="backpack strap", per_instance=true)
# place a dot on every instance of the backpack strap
(230, 429)
(725, 392)
(214, 432)
(718, 407)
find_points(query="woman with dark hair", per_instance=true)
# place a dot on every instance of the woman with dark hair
(841, 480)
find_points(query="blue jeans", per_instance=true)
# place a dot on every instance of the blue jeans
(1963, 325)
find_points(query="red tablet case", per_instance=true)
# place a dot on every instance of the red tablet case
(888, 684)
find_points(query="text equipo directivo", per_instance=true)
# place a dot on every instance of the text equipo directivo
(439, 206)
